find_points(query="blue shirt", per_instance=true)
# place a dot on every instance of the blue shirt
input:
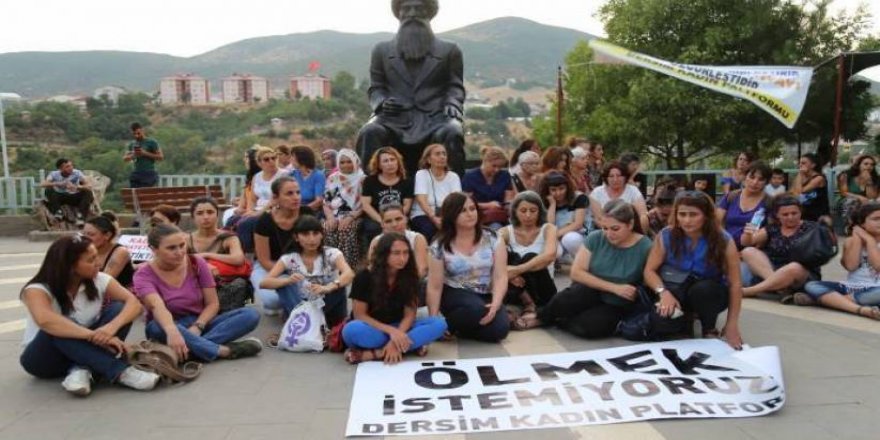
(483, 191)
(694, 259)
(310, 187)
(735, 220)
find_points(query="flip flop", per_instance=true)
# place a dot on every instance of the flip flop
(422, 351)
(802, 299)
(527, 321)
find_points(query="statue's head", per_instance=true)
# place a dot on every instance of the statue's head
(422, 9)
(415, 38)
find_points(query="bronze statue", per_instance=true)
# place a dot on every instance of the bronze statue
(416, 90)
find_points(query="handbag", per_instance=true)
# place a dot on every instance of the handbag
(645, 324)
(226, 270)
(234, 293)
(676, 280)
(814, 248)
(162, 360)
(494, 215)
(335, 343)
(305, 328)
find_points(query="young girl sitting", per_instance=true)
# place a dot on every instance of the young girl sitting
(384, 299)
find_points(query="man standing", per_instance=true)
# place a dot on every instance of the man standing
(144, 152)
(67, 186)
(416, 90)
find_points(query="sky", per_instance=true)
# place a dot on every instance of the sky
(191, 27)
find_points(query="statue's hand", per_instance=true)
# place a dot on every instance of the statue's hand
(392, 107)
(453, 112)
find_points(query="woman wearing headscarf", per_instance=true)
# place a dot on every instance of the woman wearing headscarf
(342, 205)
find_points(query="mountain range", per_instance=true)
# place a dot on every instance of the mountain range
(494, 50)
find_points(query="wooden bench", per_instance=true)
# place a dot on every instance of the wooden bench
(142, 200)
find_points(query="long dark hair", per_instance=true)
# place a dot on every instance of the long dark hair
(713, 233)
(855, 169)
(58, 266)
(406, 284)
(253, 167)
(858, 217)
(452, 206)
(105, 222)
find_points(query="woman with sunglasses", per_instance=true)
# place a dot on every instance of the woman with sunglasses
(260, 195)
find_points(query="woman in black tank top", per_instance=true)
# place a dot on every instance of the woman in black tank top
(115, 257)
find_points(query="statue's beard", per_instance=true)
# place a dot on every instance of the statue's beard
(415, 39)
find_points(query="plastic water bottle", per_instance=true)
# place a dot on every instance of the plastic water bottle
(758, 218)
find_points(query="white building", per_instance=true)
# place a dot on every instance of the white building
(112, 93)
(184, 89)
(310, 86)
(245, 88)
(78, 101)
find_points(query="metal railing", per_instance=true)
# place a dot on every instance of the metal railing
(232, 184)
(17, 193)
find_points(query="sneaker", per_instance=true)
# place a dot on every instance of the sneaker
(78, 382)
(247, 347)
(139, 379)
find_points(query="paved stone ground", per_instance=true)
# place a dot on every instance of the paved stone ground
(830, 365)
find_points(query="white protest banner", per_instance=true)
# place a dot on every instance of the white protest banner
(678, 379)
(778, 90)
(137, 247)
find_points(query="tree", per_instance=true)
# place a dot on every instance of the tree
(629, 108)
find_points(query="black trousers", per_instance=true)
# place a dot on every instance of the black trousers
(539, 284)
(706, 299)
(81, 201)
(581, 311)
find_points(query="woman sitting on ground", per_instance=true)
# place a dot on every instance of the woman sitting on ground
(115, 259)
(384, 301)
(490, 186)
(164, 215)
(467, 273)
(770, 258)
(179, 293)
(556, 159)
(260, 195)
(812, 189)
(595, 163)
(566, 209)
(387, 184)
(614, 186)
(342, 206)
(217, 247)
(605, 277)
(579, 175)
(860, 293)
(737, 208)
(312, 181)
(526, 177)
(432, 184)
(695, 244)
(734, 177)
(526, 145)
(232, 216)
(68, 333)
(658, 217)
(633, 164)
(311, 269)
(272, 235)
(531, 244)
(394, 220)
(858, 185)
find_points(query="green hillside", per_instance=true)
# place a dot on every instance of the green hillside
(494, 51)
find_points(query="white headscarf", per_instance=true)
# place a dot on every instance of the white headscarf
(344, 190)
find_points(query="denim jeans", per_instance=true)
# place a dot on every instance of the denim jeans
(223, 328)
(424, 331)
(464, 309)
(245, 231)
(269, 299)
(48, 356)
(864, 296)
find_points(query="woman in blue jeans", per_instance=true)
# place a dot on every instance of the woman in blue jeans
(860, 293)
(384, 299)
(179, 293)
(68, 333)
(467, 273)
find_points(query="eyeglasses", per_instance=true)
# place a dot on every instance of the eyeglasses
(268, 159)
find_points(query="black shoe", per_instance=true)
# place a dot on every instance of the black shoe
(247, 347)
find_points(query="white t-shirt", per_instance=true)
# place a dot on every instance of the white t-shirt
(630, 195)
(771, 191)
(85, 313)
(323, 272)
(864, 275)
(436, 190)
(263, 188)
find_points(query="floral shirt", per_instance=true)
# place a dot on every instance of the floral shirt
(469, 272)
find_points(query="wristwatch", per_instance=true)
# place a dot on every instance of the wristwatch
(199, 326)
(660, 290)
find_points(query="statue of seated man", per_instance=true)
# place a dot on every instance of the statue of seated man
(416, 90)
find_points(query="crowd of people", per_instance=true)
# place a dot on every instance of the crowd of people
(425, 254)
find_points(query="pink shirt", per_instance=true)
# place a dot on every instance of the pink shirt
(180, 301)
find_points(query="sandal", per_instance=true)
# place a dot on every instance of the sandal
(272, 340)
(802, 299)
(873, 312)
(355, 356)
(526, 322)
(422, 351)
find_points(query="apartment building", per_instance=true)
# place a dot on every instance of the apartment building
(245, 89)
(184, 89)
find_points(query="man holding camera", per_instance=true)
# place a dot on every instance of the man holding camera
(144, 152)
